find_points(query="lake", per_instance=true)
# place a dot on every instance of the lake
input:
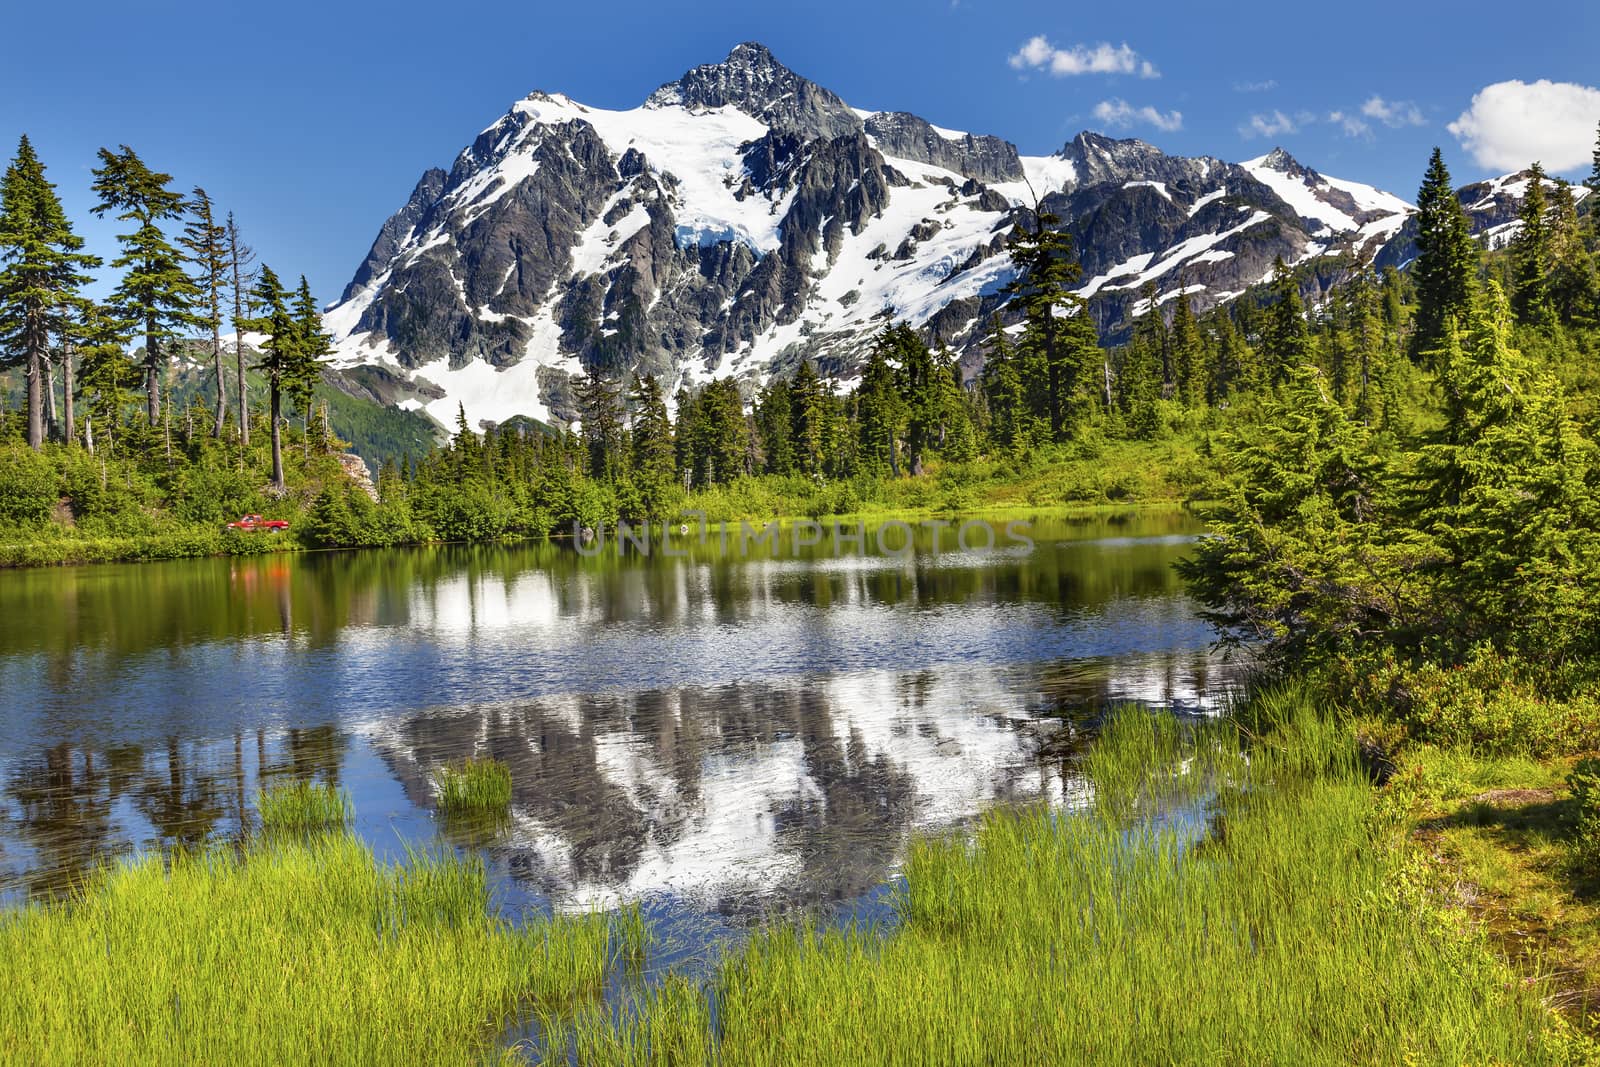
(719, 736)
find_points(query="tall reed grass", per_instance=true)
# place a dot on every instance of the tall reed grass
(473, 787)
(297, 951)
(1295, 932)
(303, 807)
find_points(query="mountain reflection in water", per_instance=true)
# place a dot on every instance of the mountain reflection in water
(733, 735)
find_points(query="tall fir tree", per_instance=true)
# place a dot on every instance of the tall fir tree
(1287, 338)
(1447, 260)
(155, 291)
(1572, 282)
(279, 358)
(1503, 492)
(651, 441)
(775, 424)
(921, 388)
(1593, 180)
(880, 409)
(721, 441)
(1059, 339)
(1139, 377)
(1530, 255)
(312, 348)
(106, 375)
(1228, 370)
(42, 270)
(600, 408)
(207, 242)
(957, 437)
(1188, 351)
(1003, 391)
(808, 418)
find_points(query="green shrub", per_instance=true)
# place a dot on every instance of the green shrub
(29, 487)
(1488, 705)
(1584, 781)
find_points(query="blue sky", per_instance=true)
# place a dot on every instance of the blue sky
(313, 121)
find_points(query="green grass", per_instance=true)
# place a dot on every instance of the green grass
(303, 807)
(473, 787)
(1298, 931)
(297, 951)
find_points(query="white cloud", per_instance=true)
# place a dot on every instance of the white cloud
(1122, 114)
(1352, 125)
(1272, 124)
(1512, 124)
(1039, 54)
(1393, 113)
(1255, 87)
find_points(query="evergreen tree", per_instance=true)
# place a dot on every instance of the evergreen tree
(1287, 337)
(1447, 260)
(652, 442)
(684, 434)
(1139, 377)
(279, 359)
(156, 291)
(1343, 358)
(809, 412)
(1572, 283)
(957, 438)
(1188, 352)
(1593, 180)
(1294, 568)
(42, 269)
(600, 407)
(721, 435)
(1059, 338)
(879, 410)
(775, 423)
(921, 388)
(106, 374)
(311, 350)
(206, 241)
(1499, 491)
(1530, 255)
(1228, 369)
(1001, 382)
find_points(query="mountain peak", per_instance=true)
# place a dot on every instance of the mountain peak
(754, 81)
(1281, 161)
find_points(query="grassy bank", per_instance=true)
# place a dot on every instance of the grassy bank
(1293, 926)
(300, 951)
(1505, 841)
(1064, 479)
(1237, 892)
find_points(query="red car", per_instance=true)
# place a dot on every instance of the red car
(256, 522)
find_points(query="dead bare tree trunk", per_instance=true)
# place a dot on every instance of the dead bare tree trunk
(239, 257)
(67, 388)
(50, 420)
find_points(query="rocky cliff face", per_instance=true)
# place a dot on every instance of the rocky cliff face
(744, 218)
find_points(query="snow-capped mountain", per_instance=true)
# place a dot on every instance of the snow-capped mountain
(743, 218)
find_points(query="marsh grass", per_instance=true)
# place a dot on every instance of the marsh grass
(1300, 933)
(295, 951)
(473, 787)
(303, 807)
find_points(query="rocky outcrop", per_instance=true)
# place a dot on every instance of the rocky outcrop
(905, 136)
(752, 80)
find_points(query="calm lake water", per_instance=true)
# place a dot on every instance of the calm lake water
(717, 737)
